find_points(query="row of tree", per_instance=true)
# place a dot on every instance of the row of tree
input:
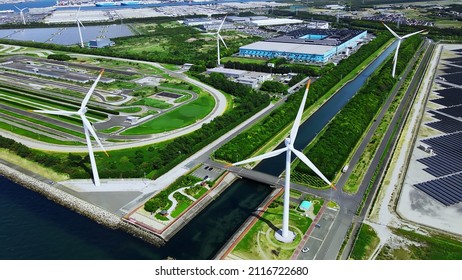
(249, 141)
(334, 146)
(143, 160)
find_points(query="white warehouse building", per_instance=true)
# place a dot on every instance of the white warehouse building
(306, 45)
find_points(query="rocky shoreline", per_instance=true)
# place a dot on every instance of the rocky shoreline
(78, 205)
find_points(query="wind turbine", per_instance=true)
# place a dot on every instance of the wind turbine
(284, 235)
(218, 40)
(87, 127)
(22, 14)
(395, 59)
(79, 23)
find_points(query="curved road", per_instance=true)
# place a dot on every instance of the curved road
(219, 109)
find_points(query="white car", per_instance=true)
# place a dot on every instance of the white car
(305, 250)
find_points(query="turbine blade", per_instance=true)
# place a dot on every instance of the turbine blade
(89, 127)
(392, 32)
(81, 24)
(55, 112)
(395, 58)
(264, 156)
(294, 130)
(219, 28)
(78, 12)
(94, 168)
(17, 8)
(303, 158)
(409, 35)
(221, 38)
(87, 97)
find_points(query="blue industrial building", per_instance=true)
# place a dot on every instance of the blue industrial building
(306, 45)
(101, 43)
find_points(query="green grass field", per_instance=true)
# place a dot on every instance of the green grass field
(152, 102)
(422, 247)
(259, 243)
(365, 244)
(242, 60)
(177, 118)
(448, 24)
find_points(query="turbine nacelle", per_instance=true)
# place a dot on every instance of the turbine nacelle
(399, 38)
(87, 127)
(82, 111)
(285, 235)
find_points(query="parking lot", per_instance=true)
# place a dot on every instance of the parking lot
(207, 172)
(318, 235)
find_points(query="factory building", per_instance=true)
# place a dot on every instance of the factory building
(306, 45)
(101, 43)
(248, 78)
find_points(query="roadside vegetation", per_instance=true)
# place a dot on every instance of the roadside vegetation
(422, 247)
(252, 139)
(333, 147)
(354, 181)
(365, 243)
(161, 201)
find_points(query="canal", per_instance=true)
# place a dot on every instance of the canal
(36, 228)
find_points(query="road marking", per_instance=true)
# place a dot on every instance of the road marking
(331, 224)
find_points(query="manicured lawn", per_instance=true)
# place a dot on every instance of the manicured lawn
(260, 243)
(112, 129)
(181, 206)
(34, 135)
(130, 110)
(177, 118)
(58, 128)
(152, 102)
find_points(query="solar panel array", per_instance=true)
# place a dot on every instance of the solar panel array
(450, 97)
(447, 190)
(453, 78)
(455, 111)
(452, 69)
(445, 124)
(446, 163)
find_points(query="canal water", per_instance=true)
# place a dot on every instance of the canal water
(315, 123)
(36, 228)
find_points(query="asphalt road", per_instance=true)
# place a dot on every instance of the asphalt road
(350, 204)
(219, 109)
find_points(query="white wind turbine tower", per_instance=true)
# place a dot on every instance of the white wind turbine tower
(22, 14)
(284, 234)
(87, 127)
(79, 23)
(218, 40)
(395, 59)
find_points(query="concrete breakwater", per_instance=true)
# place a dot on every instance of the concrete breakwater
(78, 205)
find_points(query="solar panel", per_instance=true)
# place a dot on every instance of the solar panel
(447, 190)
(451, 69)
(455, 111)
(445, 123)
(454, 78)
(449, 97)
(448, 155)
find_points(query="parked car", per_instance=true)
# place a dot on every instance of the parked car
(305, 250)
